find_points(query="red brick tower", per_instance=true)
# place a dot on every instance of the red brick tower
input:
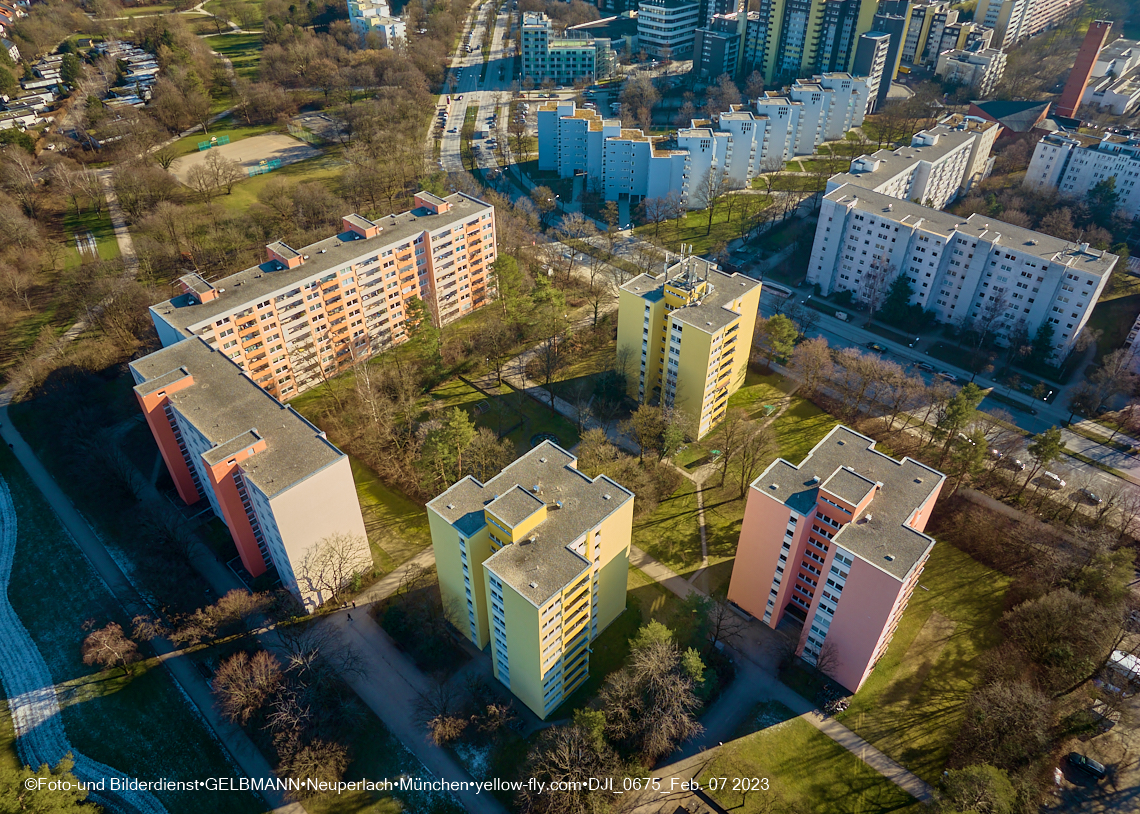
(1082, 68)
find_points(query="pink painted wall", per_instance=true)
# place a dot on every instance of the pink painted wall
(922, 516)
(221, 481)
(153, 407)
(860, 620)
(757, 554)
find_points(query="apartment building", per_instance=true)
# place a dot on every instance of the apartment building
(922, 20)
(567, 58)
(623, 162)
(375, 16)
(962, 37)
(836, 544)
(842, 22)
(686, 335)
(1017, 20)
(978, 70)
(717, 47)
(535, 563)
(977, 268)
(939, 165)
(268, 474)
(1115, 86)
(666, 29)
(895, 26)
(1073, 163)
(872, 53)
(308, 313)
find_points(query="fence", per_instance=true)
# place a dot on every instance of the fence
(264, 167)
(216, 141)
(303, 133)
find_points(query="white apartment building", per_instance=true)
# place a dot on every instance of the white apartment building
(667, 28)
(1115, 86)
(977, 70)
(562, 59)
(960, 269)
(1073, 163)
(940, 164)
(1016, 20)
(621, 162)
(376, 16)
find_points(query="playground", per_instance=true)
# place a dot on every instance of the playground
(256, 154)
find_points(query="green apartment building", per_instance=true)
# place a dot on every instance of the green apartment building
(534, 563)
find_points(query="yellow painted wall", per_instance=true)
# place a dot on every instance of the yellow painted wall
(631, 321)
(524, 654)
(449, 570)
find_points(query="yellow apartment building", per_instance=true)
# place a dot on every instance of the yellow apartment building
(685, 336)
(535, 563)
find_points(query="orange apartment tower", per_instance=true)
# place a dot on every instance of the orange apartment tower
(271, 476)
(1082, 68)
(308, 313)
(836, 544)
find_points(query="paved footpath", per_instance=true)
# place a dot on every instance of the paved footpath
(756, 681)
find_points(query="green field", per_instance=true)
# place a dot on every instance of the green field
(1113, 319)
(243, 50)
(694, 229)
(802, 769)
(397, 525)
(99, 225)
(225, 127)
(140, 724)
(911, 706)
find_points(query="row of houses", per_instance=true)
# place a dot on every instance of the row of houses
(624, 163)
(139, 69)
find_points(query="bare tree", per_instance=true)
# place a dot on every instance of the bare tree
(330, 565)
(109, 646)
(244, 685)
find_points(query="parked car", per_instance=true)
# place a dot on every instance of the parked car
(947, 375)
(1054, 479)
(929, 368)
(967, 439)
(875, 346)
(1017, 464)
(996, 454)
(1091, 496)
(1087, 765)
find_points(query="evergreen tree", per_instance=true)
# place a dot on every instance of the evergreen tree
(1041, 348)
(896, 306)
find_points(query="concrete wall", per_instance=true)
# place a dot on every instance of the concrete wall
(863, 611)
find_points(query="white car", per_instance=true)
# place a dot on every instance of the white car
(1054, 479)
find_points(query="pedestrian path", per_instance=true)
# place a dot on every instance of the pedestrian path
(32, 700)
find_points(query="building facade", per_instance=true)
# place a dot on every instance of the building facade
(622, 162)
(666, 29)
(837, 544)
(306, 314)
(871, 57)
(1073, 163)
(978, 70)
(574, 56)
(685, 337)
(717, 48)
(940, 164)
(268, 474)
(535, 563)
(1115, 86)
(1013, 278)
(1017, 20)
(375, 16)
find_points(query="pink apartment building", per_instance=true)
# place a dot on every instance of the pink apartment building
(836, 544)
(271, 476)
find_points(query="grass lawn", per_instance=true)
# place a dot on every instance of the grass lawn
(791, 183)
(243, 50)
(140, 724)
(397, 525)
(694, 229)
(911, 706)
(799, 428)
(1114, 319)
(158, 8)
(236, 132)
(319, 168)
(257, 7)
(782, 748)
(511, 413)
(99, 225)
(783, 234)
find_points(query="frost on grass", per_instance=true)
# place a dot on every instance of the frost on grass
(32, 699)
(475, 759)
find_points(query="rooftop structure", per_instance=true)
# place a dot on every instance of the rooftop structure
(267, 473)
(534, 562)
(836, 543)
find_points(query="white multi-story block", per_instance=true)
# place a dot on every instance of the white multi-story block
(568, 58)
(978, 70)
(962, 270)
(376, 16)
(1073, 163)
(1016, 20)
(1115, 86)
(939, 164)
(667, 28)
